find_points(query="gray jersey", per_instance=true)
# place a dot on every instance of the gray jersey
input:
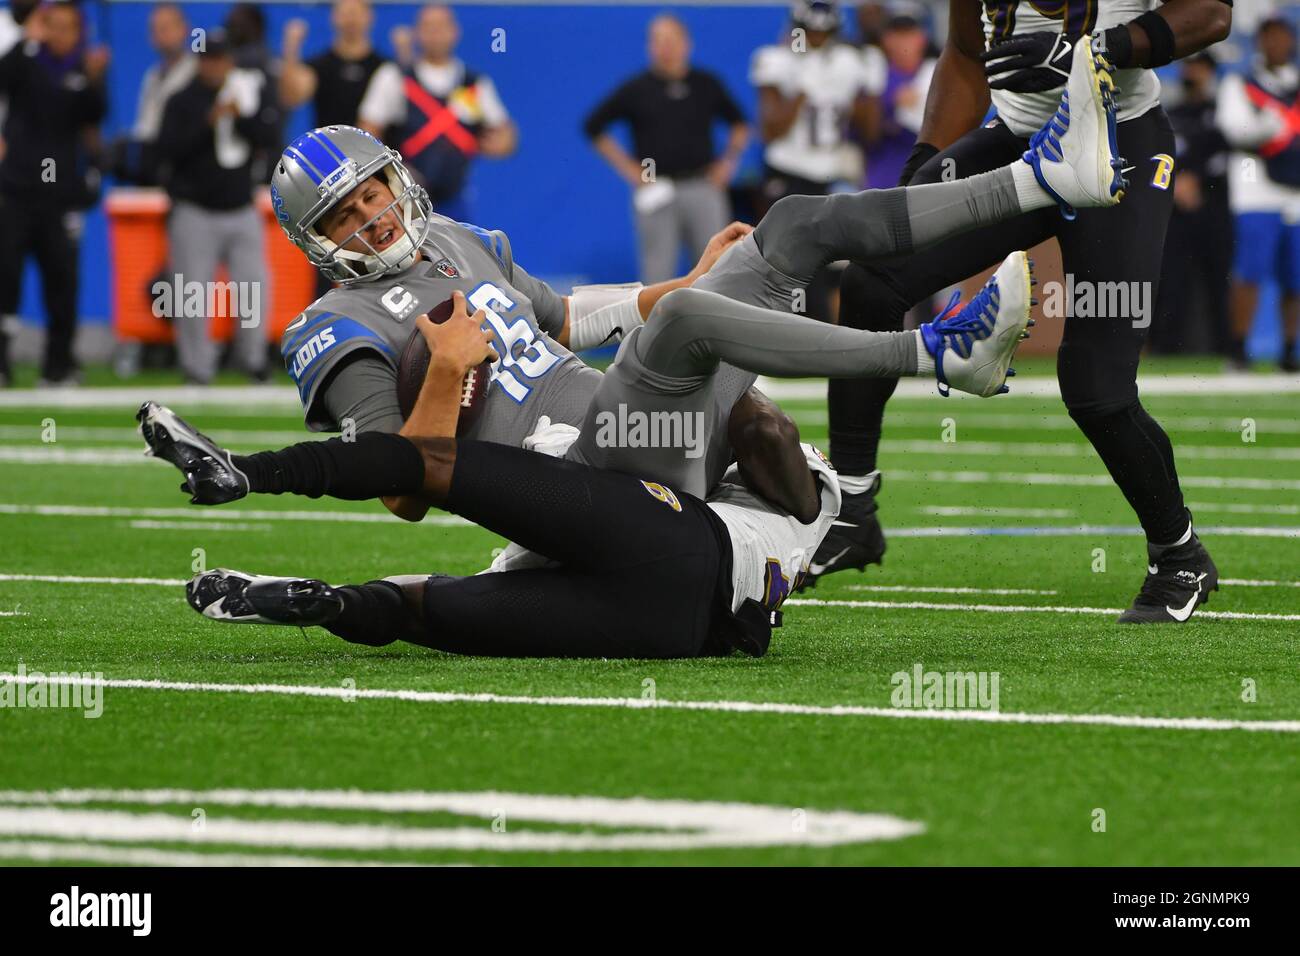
(535, 375)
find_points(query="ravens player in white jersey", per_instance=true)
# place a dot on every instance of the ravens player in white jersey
(1017, 55)
(692, 348)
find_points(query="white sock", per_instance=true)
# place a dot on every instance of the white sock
(1030, 195)
(1187, 536)
(857, 484)
(924, 360)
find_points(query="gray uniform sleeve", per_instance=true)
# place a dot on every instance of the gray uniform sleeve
(548, 304)
(365, 391)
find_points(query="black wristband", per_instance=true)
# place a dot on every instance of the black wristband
(1161, 36)
(921, 154)
(1117, 47)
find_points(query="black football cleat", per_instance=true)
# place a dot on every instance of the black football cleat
(239, 598)
(854, 540)
(1179, 580)
(211, 477)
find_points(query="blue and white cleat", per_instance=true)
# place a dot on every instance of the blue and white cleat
(972, 348)
(1074, 156)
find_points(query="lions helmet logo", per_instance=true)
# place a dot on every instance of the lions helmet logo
(277, 203)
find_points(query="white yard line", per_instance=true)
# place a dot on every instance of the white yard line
(1025, 608)
(152, 525)
(641, 703)
(655, 824)
(1250, 583)
(961, 511)
(233, 514)
(53, 851)
(1045, 386)
(1065, 531)
(1233, 483)
(918, 588)
(1240, 509)
(79, 579)
(1241, 452)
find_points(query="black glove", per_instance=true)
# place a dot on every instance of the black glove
(1030, 63)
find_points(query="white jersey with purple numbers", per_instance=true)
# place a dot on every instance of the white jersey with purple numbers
(1025, 113)
(534, 375)
(770, 549)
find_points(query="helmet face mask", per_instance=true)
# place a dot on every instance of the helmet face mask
(316, 172)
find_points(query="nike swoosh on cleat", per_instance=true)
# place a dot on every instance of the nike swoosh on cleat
(1182, 614)
(1152, 569)
(821, 568)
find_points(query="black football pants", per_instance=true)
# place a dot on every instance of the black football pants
(1098, 358)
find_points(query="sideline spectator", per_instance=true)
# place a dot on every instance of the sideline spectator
(56, 97)
(335, 80)
(908, 69)
(210, 132)
(680, 199)
(1198, 250)
(1264, 184)
(438, 113)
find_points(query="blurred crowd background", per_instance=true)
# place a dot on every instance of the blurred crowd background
(609, 141)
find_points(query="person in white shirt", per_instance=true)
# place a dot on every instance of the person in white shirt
(1264, 185)
(438, 112)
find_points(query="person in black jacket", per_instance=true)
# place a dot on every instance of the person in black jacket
(56, 101)
(211, 132)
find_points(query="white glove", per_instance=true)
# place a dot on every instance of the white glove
(553, 440)
(516, 558)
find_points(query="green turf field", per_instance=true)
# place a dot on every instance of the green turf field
(269, 743)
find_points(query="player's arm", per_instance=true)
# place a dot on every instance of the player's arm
(772, 463)
(777, 112)
(595, 315)
(610, 110)
(959, 93)
(297, 79)
(1035, 62)
(1178, 29)
(455, 347)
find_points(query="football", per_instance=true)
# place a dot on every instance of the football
(413, 365)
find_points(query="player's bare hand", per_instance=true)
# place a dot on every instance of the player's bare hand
(719, 244)
(95, 63)
(295, 32)
(403, 40)
(458, 344)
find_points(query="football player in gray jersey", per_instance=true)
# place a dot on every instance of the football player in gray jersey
(716, 560)
(351, 207)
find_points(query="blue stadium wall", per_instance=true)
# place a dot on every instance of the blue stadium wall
(566, 212)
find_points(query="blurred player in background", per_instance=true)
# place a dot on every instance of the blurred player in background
(439, 113)
(1018, 56)
(811, 89)
(679, 182)
(1256, 114)
(55, 87)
